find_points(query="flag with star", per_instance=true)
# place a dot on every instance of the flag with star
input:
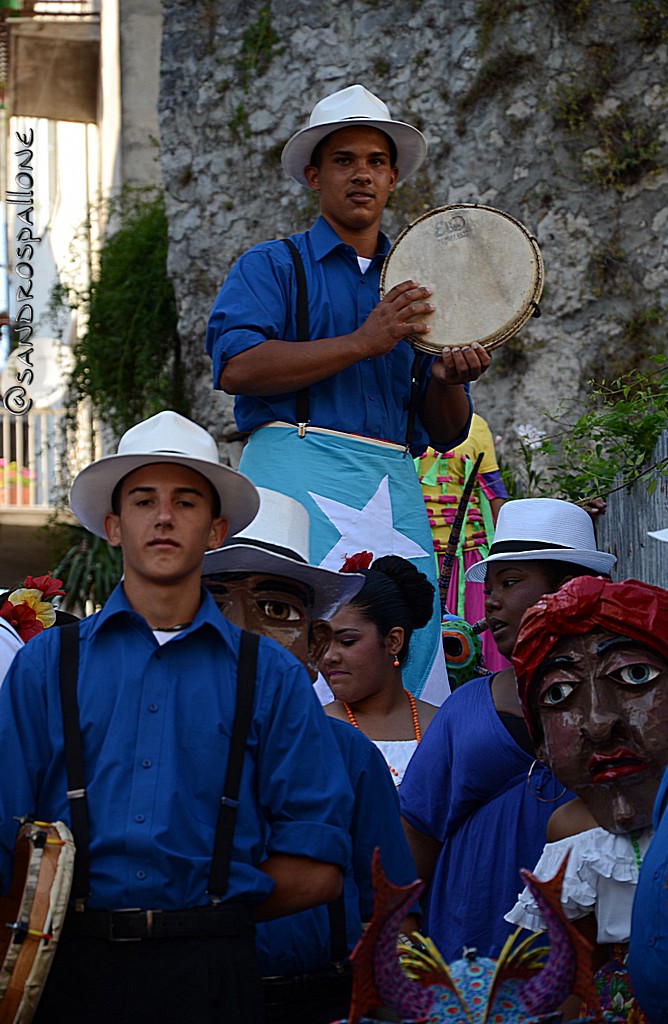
(360, 495)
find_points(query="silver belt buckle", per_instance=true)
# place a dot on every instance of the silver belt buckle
(130, 910)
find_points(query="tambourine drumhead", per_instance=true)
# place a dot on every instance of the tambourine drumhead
(34, 907)
(484, 268)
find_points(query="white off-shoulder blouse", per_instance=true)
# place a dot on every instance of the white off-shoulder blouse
(601, 876)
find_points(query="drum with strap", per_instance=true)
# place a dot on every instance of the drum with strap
(484, 268)
(32, 914)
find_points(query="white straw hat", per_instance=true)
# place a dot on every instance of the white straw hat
(343, 109)
(166, 437)
(659, 534)
(277, 543)
(545, 529)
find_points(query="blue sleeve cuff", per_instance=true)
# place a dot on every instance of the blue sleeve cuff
(318, 841)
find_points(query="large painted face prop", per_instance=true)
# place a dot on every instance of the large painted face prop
(592, 668)
(272, 606)
(602, 701)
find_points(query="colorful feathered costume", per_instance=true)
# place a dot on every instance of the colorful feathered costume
(526, 985)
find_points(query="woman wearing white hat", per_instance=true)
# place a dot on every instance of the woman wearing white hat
(475, 801)
(329, 416)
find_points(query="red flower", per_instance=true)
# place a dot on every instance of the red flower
(355, 563)
(23, 618)
(48, 586)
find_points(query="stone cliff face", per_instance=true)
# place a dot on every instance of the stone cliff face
(551, 110)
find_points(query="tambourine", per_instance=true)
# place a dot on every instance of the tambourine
(32, 915)
(484, 268)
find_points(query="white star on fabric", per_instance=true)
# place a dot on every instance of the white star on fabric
(369, 528)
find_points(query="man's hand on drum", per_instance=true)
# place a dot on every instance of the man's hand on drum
(392, 319)
(460, 365)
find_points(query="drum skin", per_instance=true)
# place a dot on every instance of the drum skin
(484, 269)
(37, 901)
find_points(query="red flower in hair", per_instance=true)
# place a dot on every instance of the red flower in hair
(47, 584)
(23, 618)
(29, 609)
(355, 563)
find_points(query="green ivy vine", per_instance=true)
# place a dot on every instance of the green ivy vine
(128, 360)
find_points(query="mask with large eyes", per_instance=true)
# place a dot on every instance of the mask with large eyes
(631, 673)
(602, 705)
(280, 611)
(271, 606)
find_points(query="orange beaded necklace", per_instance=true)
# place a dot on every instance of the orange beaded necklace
(414, 715)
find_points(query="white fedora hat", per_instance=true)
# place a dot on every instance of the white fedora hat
(343, 109)
(659, 534)
(277, 543)
(545, 529)
(166, 437)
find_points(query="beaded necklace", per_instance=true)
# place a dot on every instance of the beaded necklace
(636, 848)
(414, 716)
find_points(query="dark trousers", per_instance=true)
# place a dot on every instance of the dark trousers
(153, 981)
(317, 998)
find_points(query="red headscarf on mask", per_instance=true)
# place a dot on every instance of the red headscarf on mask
(630, 608)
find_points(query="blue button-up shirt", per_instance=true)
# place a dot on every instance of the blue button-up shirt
(302, 942)
(648, 952)
(257, 302)
(156, 723)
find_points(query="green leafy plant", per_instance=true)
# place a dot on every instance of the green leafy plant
(259, 45)
(652, 19)
(491, 14)
(504, 67)
(577, 96)
(605, 265)
(628, 147)
(633, 346)
(239, 123)
(89, 567)
(128, 360)
(608, 445)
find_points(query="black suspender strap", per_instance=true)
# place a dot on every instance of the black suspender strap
(302, 410)
(302, 402)
(227, 813)
(338, 946)
(76, 790)
(412, 405)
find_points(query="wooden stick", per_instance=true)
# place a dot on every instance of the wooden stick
(453, 539)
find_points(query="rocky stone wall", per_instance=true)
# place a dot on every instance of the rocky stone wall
(551, 110)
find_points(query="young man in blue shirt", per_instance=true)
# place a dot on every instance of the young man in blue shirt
(156, 690)
(346, 462)
(262, 581)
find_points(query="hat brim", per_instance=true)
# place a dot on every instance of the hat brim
(92, 490)
(597, 561)
(658, 534)
(331, 589)
(410, 143)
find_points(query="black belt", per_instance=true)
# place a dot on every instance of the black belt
(334, 979)
(227, 919)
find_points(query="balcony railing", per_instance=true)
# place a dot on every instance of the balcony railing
(36, 463)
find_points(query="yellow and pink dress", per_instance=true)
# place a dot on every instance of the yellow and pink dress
(443, 477)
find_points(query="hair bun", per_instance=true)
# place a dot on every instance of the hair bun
(417, 591)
